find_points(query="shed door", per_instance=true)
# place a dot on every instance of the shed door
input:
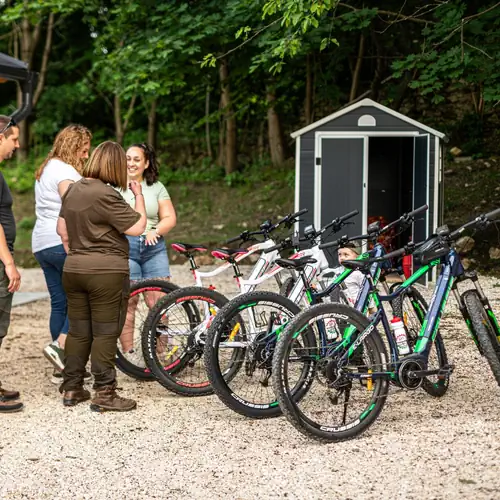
(342, 188)
(421, 186)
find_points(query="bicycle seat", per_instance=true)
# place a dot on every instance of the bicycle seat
(357, 264)
(295, 263)
(188, 247)
(228, 253)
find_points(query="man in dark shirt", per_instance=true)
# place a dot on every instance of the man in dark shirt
(10, 279)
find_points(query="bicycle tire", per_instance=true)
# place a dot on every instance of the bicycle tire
(420, 307)
(287, 286)
(168, 376)
(220, 378)
(288, 404)
(124, 364)
(488, 343)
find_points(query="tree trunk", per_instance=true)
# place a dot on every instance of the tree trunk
(276, 146)
(309, 91)
(357, 69)
(230, 146)
(222, 136)
(260, 140)
(27, 37)
(118, 119)
(152, 123)
(207, 123)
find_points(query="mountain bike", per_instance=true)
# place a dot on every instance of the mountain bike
(241, 340)
(349, 379)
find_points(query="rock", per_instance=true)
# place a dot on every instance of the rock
(487, 164)
(494, 253)
(455, 151)
(463, 159)
(464, 244)
(469, 168)
(466, 263)
(449, 171)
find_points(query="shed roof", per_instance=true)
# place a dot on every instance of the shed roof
(366, 102)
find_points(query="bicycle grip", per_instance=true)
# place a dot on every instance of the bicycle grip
(392, 255)
(232, 240)
(298, 214)
(418, 210)
(329, 244)
(491, 215)
(349, 215)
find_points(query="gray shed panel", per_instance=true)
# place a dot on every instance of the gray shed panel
(307, 159)
(385, 122)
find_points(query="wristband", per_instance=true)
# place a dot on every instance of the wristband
(140, 194)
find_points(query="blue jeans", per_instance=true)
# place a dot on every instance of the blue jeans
(51, 261)
(147, 261)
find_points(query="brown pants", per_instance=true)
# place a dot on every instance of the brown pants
(97, 307)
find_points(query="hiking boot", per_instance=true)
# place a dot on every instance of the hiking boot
(57, 377)
(6, 395)
(106, 399)
(72, 398)
(55, 354)
(10, 406)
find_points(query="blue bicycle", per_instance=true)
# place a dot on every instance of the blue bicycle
(349, 379)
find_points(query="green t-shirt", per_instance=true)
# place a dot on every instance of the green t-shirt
(152, 195)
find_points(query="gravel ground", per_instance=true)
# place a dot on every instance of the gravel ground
(174, 447)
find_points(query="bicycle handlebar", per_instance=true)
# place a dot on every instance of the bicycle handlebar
(483, 219)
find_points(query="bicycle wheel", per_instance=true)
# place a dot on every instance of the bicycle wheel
(487, 340)
(411, 307)
(174, 336)
(239, 351)
(343, 400)
(287, 286)
(143, 295)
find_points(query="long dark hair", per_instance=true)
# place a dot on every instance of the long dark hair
(152, 173)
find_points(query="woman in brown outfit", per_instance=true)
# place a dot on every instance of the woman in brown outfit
(93, 222)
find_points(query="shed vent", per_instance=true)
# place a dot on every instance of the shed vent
(367, 121)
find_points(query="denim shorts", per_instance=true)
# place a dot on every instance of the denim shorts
(147, 261)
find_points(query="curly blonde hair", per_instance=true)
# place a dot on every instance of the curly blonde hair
(66, 145)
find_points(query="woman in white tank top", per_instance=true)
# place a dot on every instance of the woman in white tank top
(59, 170)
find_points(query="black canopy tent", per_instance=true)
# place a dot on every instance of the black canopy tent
(13, 69)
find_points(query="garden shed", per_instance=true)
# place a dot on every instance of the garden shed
(13, 69)
(368, 157)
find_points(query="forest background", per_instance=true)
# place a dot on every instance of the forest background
(218, 86)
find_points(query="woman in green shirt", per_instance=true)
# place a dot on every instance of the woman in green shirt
(148, 255)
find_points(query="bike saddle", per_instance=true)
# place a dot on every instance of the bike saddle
(295, 263)
(228, 253)
(357, 264)
(188, 247)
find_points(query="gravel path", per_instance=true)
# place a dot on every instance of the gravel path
(173, 447)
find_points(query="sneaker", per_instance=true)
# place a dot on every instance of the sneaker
(57, 377)
(6, 395)
(55, 354)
